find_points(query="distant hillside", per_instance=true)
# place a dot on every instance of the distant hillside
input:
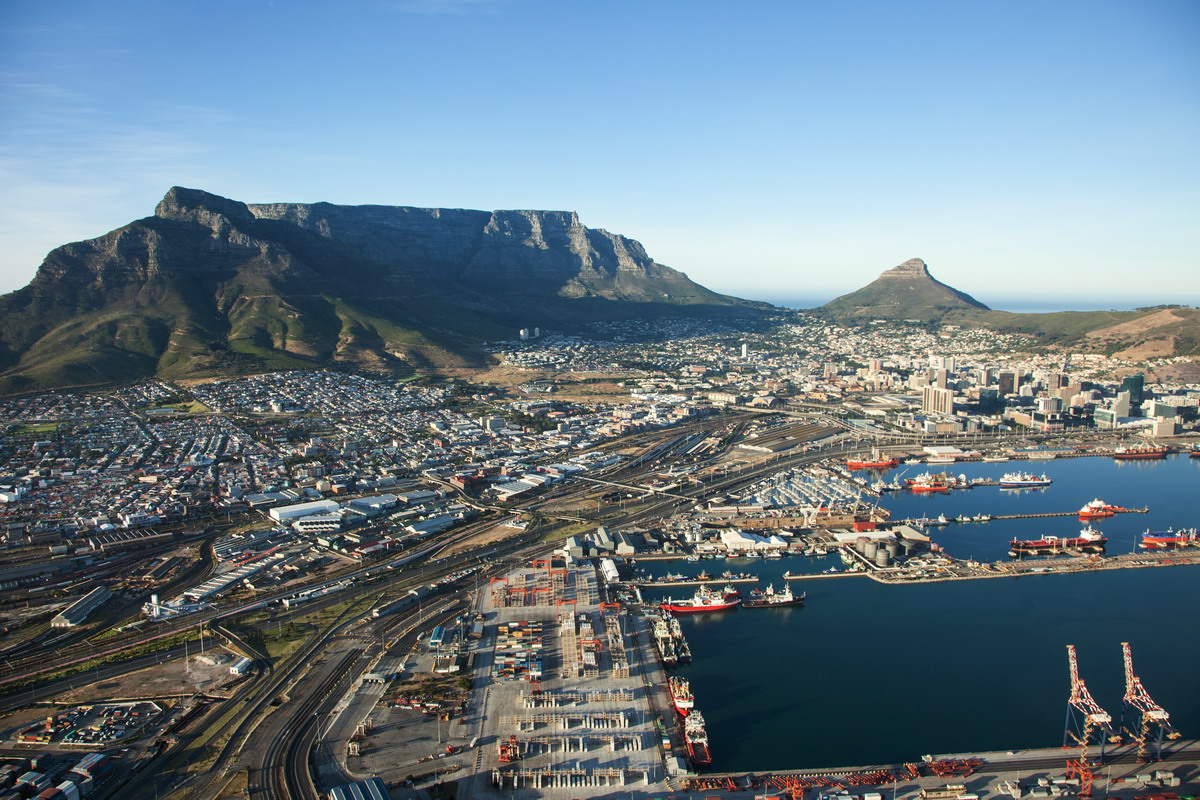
(210, 285)
(1135, 335)
(904, 292)
(909, 292)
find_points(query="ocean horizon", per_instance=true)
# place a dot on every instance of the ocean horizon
(1014, 304)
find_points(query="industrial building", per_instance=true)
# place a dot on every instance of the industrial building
(286, 513)
(78, 611)
(370, 789)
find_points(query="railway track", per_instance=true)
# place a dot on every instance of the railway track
(286, 763)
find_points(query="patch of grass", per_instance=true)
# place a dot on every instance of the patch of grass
(35, 429)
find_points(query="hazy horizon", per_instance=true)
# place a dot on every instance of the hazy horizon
(1017, 304)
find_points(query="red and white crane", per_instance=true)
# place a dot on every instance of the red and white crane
(1148, 722)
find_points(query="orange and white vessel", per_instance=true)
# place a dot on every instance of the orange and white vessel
(681, 695)
(1098, 509)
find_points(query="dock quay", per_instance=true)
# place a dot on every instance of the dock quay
(994, 773)
(1043, 515)
(812, 576)
(690, 582)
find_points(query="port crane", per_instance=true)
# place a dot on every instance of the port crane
(1087, 723)
(1147, 719)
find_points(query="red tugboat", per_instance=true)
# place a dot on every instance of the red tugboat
(876, 461)
(773, 599)
(1140, 451)
(703, 601)
(1162, 540)
(1098, 509)
(681, 695)
(1087, 539)
(696, 738)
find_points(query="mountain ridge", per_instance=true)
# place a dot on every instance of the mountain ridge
(211, 285)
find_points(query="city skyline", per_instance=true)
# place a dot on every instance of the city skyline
(770, 152)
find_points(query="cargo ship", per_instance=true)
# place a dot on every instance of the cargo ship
(1098, 509)
(1162, 540)
(876, 461)
(681, 695)
(1140, 451)
(696, 738)
(703, 601)
(1087, 539)
(1023, 480)
(769, 598)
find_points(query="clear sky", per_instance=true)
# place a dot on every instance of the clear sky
(1023, 148)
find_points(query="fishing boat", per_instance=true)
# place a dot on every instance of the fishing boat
(681, 695)
(769, 598)
(1023, 480)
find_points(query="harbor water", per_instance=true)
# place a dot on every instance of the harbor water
(870, 673)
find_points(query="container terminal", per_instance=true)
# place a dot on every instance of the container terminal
(572, 697)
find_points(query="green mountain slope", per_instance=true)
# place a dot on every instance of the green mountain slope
(904, 292)
(212, 286)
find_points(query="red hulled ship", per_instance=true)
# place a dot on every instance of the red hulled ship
(681, 695)
(696, 738)
(1087, 538)
(876, 461)
(1140, 451)
(704, 600)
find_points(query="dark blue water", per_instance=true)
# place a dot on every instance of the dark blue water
(867, 673)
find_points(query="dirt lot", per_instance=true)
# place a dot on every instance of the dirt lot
(485, 537)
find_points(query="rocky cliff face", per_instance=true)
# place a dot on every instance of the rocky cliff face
(210, 284)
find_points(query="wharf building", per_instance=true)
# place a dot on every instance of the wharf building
(78, 611)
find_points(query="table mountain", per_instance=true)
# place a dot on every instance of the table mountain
(904, 292)
(210, 285)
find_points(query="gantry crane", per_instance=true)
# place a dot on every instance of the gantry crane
(1087, 723)
(1148, 721)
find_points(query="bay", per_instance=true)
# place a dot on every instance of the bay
(868, 673)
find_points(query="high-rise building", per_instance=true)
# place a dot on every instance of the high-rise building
(1006, 383)
(937, 400)
(745, 350)
(1136, 386)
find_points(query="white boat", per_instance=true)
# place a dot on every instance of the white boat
(995, 458)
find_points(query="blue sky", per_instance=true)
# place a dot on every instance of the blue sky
(771, 149)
